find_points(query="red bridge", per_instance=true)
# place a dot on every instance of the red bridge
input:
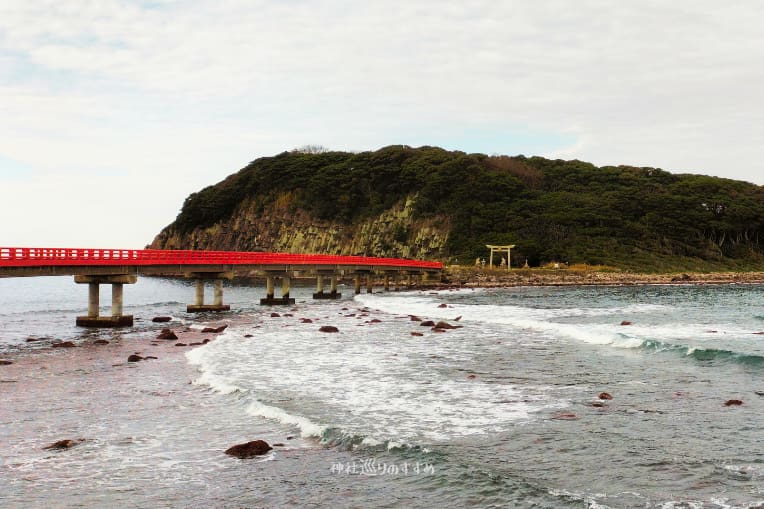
(122, 266)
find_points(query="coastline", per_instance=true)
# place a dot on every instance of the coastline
(471, 277)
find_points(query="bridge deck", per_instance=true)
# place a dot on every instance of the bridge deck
(38, 261)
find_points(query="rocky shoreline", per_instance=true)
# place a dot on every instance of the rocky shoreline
(468, 277)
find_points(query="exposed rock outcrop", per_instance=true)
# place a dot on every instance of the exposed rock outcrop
(280, 227)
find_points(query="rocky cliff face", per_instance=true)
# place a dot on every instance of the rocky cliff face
(281, 227)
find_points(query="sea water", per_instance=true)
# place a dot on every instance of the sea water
(504, 411)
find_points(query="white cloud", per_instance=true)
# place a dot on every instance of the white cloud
(173, 96)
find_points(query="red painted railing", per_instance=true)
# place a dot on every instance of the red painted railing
(45, 256)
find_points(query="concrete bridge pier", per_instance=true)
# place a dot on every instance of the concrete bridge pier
(357, 283)
(370, 283)
(217, 304)
(270, 299)
(117, 319)
(320, 287)
(388, 277)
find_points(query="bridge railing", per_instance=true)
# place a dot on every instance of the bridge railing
(42, 256)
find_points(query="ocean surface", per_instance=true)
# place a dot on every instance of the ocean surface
(504, 411)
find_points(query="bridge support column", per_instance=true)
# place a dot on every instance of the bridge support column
(270, 299)
(201, 277)
(387, 282)
(94, 299)
(369, 283)
(320, 287)
(117, 319)
(357, 283)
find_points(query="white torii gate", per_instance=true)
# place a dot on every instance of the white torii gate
(499, 249)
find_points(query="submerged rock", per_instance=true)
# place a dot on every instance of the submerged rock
(134, 358)
(417, 334)
(167, 334)
(415, 318)
(161, 319)
(565, 417)
(100, 342)
(65, 444)
(4, 362)
(214, 330)
(605, 395)
(446, 325)
(328, 328)
(625, 322)
(427, 323)
(249, 449)
(733, 402)
(63, 344)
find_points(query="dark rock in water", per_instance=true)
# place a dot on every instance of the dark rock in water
(167, 334)
(214, 330)
(443, 305)
(275, 315)
(150, 357)
(33, 340)
(249, 450)
(278, 444)
(289, 315)
(417, 334)
(446, 325)
(625, 322)
(597, 404)
(180, 344)
(458, 318)
(306, 320)
(472, 377)
(63, 344)
(605, 395)
(160, 319)
(435, 329)
(290, 437)
(759, 333)
(427, 323)
(415, 318)
(759, 393)
(100, 342)
(197, 343)
(733, 402)
(328, 328)
(134, 358)
(4, 362)
(206, 340)
(375, 320)
(248, 336)
(64, 444)
(565, 417)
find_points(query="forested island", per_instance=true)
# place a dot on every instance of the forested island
(431, 203)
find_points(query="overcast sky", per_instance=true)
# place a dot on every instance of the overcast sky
(112, 112)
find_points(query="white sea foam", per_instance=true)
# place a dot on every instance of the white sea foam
(365, 381)
(306, 426)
